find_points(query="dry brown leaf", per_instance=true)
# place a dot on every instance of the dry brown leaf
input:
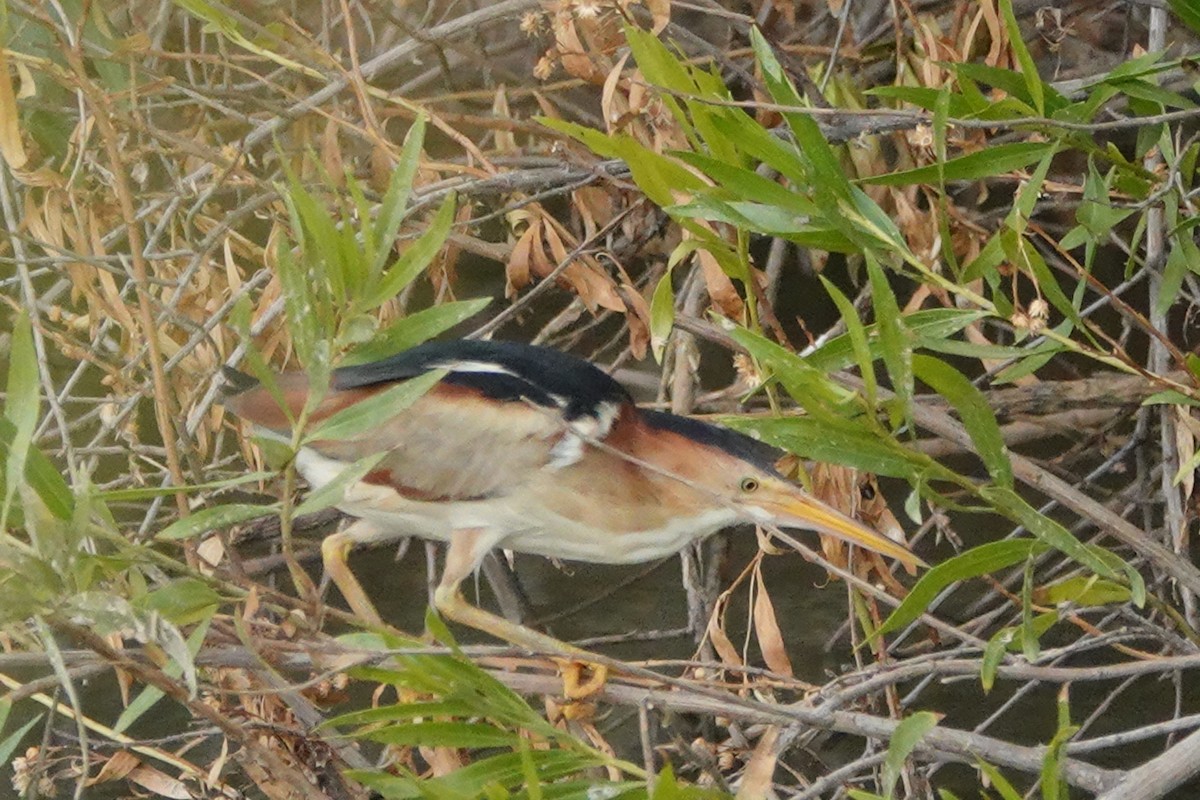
(660, 14)
(506, 142)
(716, 634)
(613, 105)
(161, 784)
(757, 778)
(517, 270)
(766, 628)
(121, 764)
(638, 318)
(720, 288)
(331, 153)
(11, 145)
(1185, 444)
(571, 52)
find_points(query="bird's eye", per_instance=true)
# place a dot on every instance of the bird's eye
(749, 485)
(867, 491)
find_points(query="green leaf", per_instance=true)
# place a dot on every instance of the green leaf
(414, 329)
(403, 712)
(150, 695)
(20, 406)
(42, 475)
(375, 410)
(395, 202)
(842, 442)
(894, 339)
(981, 560)
(1088, 591)
(995, 160)
(999, 782)
(10, 743)
(858, 337)
(414, 260)
(183, 601)
(1013, 506)
(331, 493)
(442, 734)
(299, 302)
(1188, 12)
(808, 386)
(932, 328)
(907, 736)
(993, 654)
(1183, 257)
(150, 492)
(748, 185)
(507, 770)
(972, 408)
(1028, 67)
(210, 519)
(1172, 397)
(662, 315)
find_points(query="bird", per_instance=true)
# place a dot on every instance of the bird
(533, 450)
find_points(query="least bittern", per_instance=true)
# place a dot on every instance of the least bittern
(537, 451)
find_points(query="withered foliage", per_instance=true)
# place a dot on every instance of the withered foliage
(941, 250)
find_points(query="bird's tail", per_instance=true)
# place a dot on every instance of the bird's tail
(236, 382)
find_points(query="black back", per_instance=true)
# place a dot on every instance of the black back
(548, 378)
(523, 372)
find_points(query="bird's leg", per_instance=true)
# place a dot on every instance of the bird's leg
(467, 549)
(334, 550)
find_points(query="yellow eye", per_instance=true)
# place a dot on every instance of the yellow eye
(749, 485)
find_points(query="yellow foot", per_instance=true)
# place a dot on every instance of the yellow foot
(582, 679)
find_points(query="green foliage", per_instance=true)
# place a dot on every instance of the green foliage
(904, 741)
(447, 701)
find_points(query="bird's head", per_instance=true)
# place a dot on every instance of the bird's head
(732, 470)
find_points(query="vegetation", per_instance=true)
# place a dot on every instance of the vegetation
(948, 247)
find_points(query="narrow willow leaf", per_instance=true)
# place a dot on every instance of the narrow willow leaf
(1009, 503)
(1028, 66)
(507, 770)
(996, 160)
(414, 260)
(210, 519)
(299, 302)
(20, 407)
(11, 742)
(372, 412)
(1088, 591)
(150, 492)
(932, 328)
(981, 560)
(403, 712)
(42, 475)
(331, 493)
(395, 201)
(993, 654)
(1188, 12)
(1030, 646)
(662, 315)
(894, 339)
(999, 782)
(904, 741)
(150, 695)
(442, 734)
(972, 408)
(846, 442)
(808, 386)
(858, 338)
(414, 329)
